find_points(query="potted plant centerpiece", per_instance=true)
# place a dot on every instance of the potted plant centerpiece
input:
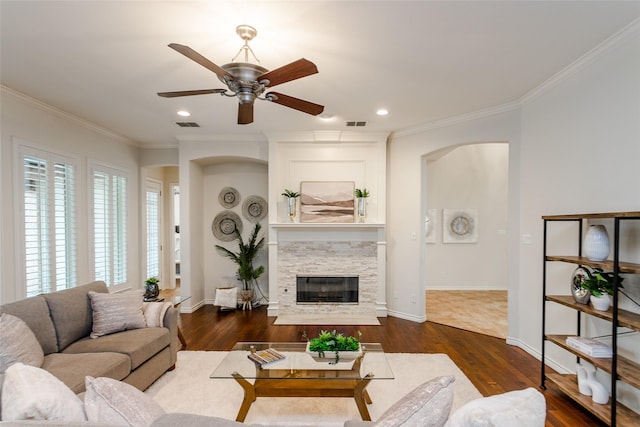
(361, 197)
(600, 284)
(291, 203)
(346, 347)
(247, 252)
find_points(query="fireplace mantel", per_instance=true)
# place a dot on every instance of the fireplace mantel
(326, 226)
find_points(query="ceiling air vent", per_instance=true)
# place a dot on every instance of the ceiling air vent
(188, 124)
(361, 124)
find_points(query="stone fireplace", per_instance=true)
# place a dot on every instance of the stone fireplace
(320, 251)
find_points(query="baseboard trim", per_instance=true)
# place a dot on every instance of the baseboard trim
(535, 353)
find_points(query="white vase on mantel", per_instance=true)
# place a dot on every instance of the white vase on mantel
(596, 243)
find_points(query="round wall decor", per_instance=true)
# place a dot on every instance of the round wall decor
(254, 208)
(229, 197)
(224, 224)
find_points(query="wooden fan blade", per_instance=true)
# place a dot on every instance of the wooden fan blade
(190, 92)
(195, 56)
(286, 73)
(295, 103)
(245, 113)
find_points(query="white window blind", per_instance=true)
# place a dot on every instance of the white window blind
(153, 229)
(49, 222)
(110, 226)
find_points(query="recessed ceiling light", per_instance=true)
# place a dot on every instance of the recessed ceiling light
(184, 113)
(326, 116)
(382, 112)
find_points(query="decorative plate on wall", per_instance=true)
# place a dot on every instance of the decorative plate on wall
(460, 226)
(224, 225)
(254, 208)
(229, 197)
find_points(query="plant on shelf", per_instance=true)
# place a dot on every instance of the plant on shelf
(600, 282)
(290, 194)
(247, 252)
(333, 341)
(362, 193)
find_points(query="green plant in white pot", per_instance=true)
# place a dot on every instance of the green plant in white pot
(247, 273)
(600, 284)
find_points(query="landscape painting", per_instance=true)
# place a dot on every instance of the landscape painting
(327, 201)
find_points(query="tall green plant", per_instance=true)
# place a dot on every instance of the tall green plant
(245, 256)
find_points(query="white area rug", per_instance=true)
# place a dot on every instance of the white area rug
(189, 389)
(334, 319)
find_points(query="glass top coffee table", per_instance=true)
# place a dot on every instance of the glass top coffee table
(303, 374)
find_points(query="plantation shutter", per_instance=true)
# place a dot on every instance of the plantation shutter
(153, 229)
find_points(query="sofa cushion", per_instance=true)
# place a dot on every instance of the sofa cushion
(191, 420)
(116, 312)
(428, 405)
(71, 312)
(522, 408)
(34, 311)
(139, 344)
(18, 343)
(31, 393)
(114, 402)
(73, 368)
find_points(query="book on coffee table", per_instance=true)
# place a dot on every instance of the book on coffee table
(266, 356)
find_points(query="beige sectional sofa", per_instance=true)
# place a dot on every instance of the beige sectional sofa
(62, 322)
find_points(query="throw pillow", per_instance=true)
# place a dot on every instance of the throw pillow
(428, 405)
(113, 402)
(116, 312)
(18, 343)
(31, 393)
(154, 313)
(226, 298)
(522, 408)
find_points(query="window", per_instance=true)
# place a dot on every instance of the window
(109, 225)
(153, 229)
(49, 214)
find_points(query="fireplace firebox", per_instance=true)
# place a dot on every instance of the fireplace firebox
(327, 289)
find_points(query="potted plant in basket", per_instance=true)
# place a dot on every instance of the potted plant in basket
(600, 284)
(291, 202)
(332, 341)
(247, 252)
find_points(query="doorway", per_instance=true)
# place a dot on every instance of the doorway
(466, 216)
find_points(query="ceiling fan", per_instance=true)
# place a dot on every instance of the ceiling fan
(248, 81)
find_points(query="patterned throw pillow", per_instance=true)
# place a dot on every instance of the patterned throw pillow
(18, 343)
(113, 402)
(116, 312)
(428, 405)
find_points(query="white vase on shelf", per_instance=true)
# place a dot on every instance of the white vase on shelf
(601, 302)
(596, 243)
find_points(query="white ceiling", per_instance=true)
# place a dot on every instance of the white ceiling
(424, 61)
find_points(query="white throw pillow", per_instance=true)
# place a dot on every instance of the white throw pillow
(226, 298)
(522, 408)
(428, 405)
(18, 343)
(116, 312)
(154, 313)
(114, 402)
(31, 393)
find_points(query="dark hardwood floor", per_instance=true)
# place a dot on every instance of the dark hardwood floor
(492, 366)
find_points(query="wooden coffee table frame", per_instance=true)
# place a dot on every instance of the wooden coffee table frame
(323, 383)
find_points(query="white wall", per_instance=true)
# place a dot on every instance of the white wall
(27, 120)
(250, 179)
(196, 156)
(471, 176)
(580, 153)
(407, 196)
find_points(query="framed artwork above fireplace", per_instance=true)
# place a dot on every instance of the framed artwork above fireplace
(327, 201)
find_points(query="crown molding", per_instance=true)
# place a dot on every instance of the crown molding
(450, 121)
(576, 66)
(579, 64)
(5, 90)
